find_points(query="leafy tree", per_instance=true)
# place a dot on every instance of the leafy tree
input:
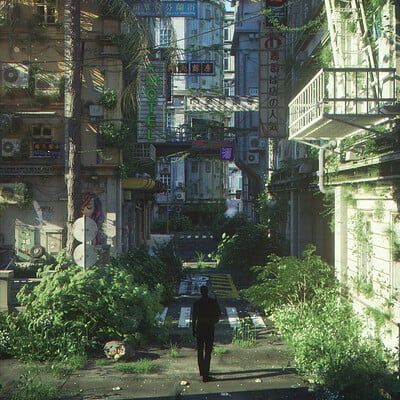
(290, 280)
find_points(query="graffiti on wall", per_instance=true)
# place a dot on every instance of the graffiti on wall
(91, 207)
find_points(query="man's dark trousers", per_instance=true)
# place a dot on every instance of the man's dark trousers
(205, 341)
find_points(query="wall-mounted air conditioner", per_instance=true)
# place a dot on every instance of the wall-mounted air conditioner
(10, 147)
(257, 143)
(180, 196)
(253, 158)
(14, 75)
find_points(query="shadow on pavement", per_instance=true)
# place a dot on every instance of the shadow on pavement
(282, 371)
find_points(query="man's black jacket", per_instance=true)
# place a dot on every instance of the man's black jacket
(206, 313)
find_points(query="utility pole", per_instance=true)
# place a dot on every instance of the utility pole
(72, 113)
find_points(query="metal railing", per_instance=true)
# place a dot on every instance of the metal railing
(341, 92)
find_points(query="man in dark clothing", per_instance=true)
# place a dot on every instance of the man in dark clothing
(206, 313)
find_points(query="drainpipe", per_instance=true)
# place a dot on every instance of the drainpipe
(321, 163)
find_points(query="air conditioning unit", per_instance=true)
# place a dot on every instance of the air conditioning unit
(10, 147)
(257, 143)
(253, 158)
(14, 75)
(180, 196)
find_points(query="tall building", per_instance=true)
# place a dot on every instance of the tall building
(195, 174)
(251, 150)
(33, 194)
(343, 109)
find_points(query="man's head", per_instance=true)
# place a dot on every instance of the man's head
(204, 291)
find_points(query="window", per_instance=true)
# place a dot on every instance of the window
(46, 11)
(208, 167)
(166, 181)
(226, 33)
(195, 189)
(165, 37)
(226, 60)
(169, 120)
(194, 79)
(195, 167)
(208, 13)
(40, 131)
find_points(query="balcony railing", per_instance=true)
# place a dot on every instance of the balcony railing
(355, 96)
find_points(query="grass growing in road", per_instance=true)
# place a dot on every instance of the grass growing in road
(173, 351)
(244, 343)
(30, 387)
(102, 362)
(68, 366)
(218, 350)
(137, 367)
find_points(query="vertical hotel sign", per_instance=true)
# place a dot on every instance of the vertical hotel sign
(152, 103)
(272, 94)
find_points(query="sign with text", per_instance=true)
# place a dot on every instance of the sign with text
(193, 68)
(272, 94)
(161, 8)
(152, 103)
(222, 103)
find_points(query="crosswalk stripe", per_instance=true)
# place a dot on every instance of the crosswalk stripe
(184, 317)
(161, 316)
(183, 287)
(257, 320)
(232, 316)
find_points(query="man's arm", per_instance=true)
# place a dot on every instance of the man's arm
(195, 316)
(217, 312)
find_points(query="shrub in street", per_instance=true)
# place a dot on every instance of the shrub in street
(230, 225)
(325, 336)
(248, 247)
(290, 280)
(73, 310)
(164, 269)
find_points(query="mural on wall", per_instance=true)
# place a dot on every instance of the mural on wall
(92, 208)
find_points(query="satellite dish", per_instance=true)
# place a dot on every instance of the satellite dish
(85, 255)
(84, 229)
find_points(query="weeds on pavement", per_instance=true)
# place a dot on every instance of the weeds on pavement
(137, 367)
(173, 351)
(218, 350)
(30, 387)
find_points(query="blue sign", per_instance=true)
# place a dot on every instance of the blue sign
(149, 8)
(226, 153)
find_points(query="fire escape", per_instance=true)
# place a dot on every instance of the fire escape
(342, 100)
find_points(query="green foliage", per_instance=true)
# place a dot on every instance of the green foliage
(364, 286)
(290, 280)
(179, 223)
(394, 241)
(244, 334)
(114, 134)
(108, 99)
(219, 350)
(73, 310)
(250, 246)
(379, 211)
(103, 362)
(137, 367)
(163, 270)
(173, 351)
(380, 317)
(229, 225)
(325, 57)
(31, 387)
(325, 336)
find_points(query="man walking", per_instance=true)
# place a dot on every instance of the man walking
(206, 313)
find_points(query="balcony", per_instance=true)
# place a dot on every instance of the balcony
(339, 101)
